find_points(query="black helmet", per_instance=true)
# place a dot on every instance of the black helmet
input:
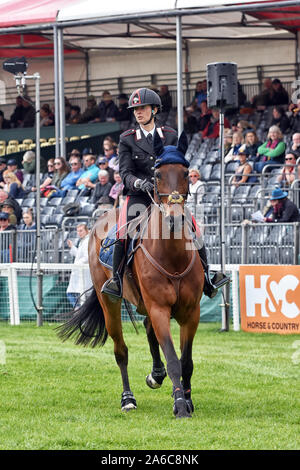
(144, 96)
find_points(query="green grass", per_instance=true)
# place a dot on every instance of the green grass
(60, 396)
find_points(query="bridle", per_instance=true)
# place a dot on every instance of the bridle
(173, 198)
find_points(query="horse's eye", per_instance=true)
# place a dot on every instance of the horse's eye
(186, 174)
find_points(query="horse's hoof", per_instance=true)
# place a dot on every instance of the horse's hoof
(181, 409)
(128, 401)
(156, 378)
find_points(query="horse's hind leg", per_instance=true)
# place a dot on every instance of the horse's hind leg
(112, 312)
(156, 377)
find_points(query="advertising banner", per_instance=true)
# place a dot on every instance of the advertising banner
(270, 299)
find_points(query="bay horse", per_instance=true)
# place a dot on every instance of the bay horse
(165, 280)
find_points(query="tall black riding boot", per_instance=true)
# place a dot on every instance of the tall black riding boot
(113, 286)
(219, 279)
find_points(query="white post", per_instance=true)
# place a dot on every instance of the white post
(61, 83)
(179, 74)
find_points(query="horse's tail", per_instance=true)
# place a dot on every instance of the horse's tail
(87, 325)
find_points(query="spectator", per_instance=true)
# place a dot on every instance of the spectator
(68, 106)
(28, 219)
(29, 113)
(5, 198)
(283, 210)
(29, 163)
(4, 123)
(227, 140)
(12, 185)
(91, 113)
(107, 108)
(124, 114)
(204, 116)
(295, 117)
(166, 98)
(17, 116)
(233, 153)
(47, 116)
(280, 119)
(116, 189)
(49, 175)
(2, 168)
(280, 95)
(211, 131)
(89, 175)
(243, 170)
(196, 188)
(251, 145)
(296, 143)
(27, 237)
(61, 170)
(75, 116)
(272, 151)
(12, 166)
(110, 152)
(70, 180)
(103, 165)
(9, 208)
(264, 99)
(77, 285)
(243, 126)
(5, 225)
(75, 153)
(101, 188)
(189, 120)
(287, 173)
(200, 92)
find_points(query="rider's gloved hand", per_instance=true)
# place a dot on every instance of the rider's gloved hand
(144, 185)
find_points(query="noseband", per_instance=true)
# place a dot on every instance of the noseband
(173, 198)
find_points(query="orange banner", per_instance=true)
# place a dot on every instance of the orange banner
(270, 299)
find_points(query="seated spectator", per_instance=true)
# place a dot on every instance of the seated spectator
(264, 99)
(4, 222)
(5, 225)
(243, 171)
(287, 173)
(75, 116)
(107, 108)
(296, 143)
(101, 188)
(2, 168)
(280, 119)
(4, 123)
(233, 153)
(280, 95)
(47, 116)
(27, 237)
(68, 106)
(17, 116)
(49, 175)
(271, 151)
(29, 163)
(12, 166)
(91, 113)
(9, 208)
(227, 140)
(243, 126)
(204, 116)
(61, 170)
(75, 153)
(111, 153)
(28, 219)
(70, 180)
(251, 145)
(89, 175)
(116, 189)
(294, 110)
(103, 165)
(12, 185)
(190, 123)
(4, 198)
(124, 114)
(196, 187)
(283, 209)
(166, 99)
(212, 129)
(200, 92)
(29, 113)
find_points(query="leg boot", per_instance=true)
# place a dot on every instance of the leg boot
(113, 286)
(219, 279)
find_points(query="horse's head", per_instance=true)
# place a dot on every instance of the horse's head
(171, 179)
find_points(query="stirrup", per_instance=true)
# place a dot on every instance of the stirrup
(113, 287)
(211, 286)
(220, 279)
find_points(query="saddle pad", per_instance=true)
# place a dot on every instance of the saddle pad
(107, 248)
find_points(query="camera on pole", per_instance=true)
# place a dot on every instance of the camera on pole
(16, 65)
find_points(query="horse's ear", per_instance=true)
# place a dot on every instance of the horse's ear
(157, 144)
(183, 143)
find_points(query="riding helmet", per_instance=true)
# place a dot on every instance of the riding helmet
(144, 96)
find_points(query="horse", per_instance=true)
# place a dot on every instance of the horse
(165, 281)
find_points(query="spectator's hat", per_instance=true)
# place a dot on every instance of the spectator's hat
(4, 216)
(8, 204)
(277, 193)
(122, 96)
(12, 161)
(102, 160)
(87, 151)
(91, 98)
(2, 160)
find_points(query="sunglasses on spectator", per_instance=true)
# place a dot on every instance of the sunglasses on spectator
(287, 159)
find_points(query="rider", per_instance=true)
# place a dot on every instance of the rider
(136, 165)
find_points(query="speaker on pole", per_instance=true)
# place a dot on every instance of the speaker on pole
(222, 85)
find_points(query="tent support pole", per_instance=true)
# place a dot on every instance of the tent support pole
(56, 91)
(62, 120)
(179, 74)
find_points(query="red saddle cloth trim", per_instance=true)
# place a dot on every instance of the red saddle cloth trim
(195, 227)
(122, 227)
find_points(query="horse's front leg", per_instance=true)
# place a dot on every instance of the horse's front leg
(156, 377)
(112, 313)
(160, 319)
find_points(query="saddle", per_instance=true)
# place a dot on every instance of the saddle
(107, 248)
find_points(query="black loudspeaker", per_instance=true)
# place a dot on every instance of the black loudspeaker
(222, 87)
